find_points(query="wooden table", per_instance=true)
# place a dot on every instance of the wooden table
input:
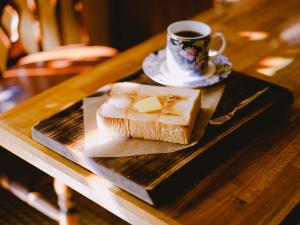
(260, 184)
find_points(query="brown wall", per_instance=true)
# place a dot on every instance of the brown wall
(130, 22)
(136, 20)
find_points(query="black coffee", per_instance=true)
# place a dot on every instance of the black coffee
(188, 33)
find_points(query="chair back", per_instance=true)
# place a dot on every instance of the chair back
(38, 25)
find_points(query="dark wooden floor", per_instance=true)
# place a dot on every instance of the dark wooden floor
(13, 211)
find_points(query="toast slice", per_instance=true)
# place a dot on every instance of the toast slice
(150, 112)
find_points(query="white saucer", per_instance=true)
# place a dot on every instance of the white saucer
(155, 67)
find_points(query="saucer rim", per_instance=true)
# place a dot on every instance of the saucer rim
(222, 76)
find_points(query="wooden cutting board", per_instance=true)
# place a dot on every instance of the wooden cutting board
(157, 178)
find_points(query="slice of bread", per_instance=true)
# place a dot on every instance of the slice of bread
(128, 112)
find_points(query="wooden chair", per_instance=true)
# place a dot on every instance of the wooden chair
(29, 27)
(43, 42)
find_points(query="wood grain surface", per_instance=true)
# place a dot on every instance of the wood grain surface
(150, 177)
(259, 184)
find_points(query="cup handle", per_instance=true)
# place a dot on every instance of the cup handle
(214, 53)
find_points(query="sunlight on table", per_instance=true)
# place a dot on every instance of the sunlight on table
(270, 65)
(254, 35)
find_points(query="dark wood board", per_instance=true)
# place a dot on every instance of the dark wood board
(156, 178)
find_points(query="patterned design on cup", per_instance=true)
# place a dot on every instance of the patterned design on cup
(190, 54)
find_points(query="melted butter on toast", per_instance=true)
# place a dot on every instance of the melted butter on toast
(175, 102)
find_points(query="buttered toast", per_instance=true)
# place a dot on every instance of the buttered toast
(150, 112)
